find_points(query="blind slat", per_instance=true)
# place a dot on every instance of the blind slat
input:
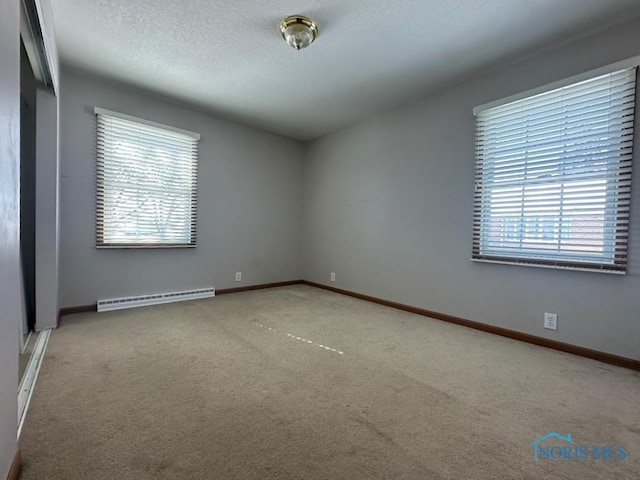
(146, 193)
(553, 176)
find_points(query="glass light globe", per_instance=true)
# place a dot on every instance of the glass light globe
(298, 36)
(299, 31)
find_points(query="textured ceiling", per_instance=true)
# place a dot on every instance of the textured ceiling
(228, 56)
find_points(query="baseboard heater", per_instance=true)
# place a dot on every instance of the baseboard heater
(155, 299)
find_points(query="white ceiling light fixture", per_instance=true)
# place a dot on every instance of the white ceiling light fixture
(299, 31)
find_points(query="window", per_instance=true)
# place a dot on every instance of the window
(146, 183)
(553, 176)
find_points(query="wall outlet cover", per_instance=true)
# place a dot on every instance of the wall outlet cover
(550, 321)
(238, 276)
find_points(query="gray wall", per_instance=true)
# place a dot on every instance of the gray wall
(388, 208)
(249, 203)
(10, 285)
(47, 181)
(47, 211)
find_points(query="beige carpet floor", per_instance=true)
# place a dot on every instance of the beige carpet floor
(223, 388)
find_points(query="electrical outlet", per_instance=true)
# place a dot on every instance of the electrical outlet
(333, 277)
(551, 321)
(238, 276)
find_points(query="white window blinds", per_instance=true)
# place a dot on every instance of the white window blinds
(553, 176)
(146, 183)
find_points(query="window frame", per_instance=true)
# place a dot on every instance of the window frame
(527, 258)
(100, 243)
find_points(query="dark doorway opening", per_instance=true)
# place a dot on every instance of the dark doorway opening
(28, 189)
